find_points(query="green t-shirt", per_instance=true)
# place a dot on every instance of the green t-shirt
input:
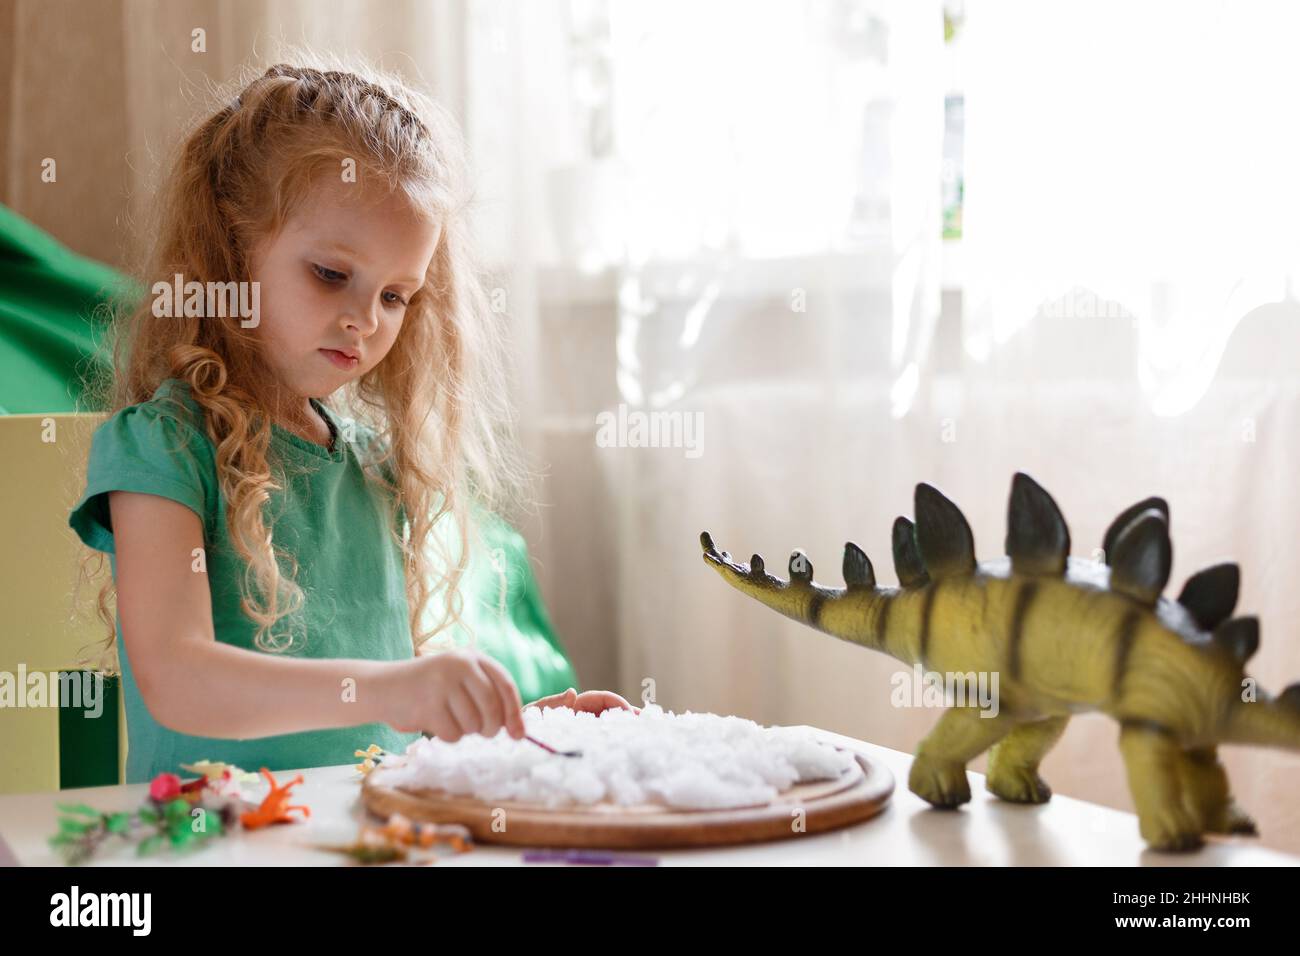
(328, 516)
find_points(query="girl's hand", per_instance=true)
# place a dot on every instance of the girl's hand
(454, 693)
(592, 701)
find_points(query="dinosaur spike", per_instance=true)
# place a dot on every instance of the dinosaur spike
(1038, 539)
(907, 559)
(756, 565)
(1238, 636)
(1117, 526)
(1211, 594)
(801, 568)
(858, 572)
(1141, 559)
(706, 541)
(944, 538)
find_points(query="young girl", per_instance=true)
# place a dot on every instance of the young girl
(273, 555)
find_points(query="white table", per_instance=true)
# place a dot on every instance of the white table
(985, 832)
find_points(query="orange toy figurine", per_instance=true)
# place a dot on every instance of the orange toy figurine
(275, 808)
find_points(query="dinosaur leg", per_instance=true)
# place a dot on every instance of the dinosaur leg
(938, 773)
(1013, 762)
(1205, 787)
(1153, 760)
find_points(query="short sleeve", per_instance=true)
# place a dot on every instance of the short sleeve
(143, 448)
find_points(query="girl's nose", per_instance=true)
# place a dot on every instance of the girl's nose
(359, 320)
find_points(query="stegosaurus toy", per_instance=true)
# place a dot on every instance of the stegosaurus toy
(1065, 635)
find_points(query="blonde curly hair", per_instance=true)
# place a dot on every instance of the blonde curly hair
(438, 402)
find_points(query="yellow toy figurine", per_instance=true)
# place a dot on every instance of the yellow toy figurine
(1064, 635)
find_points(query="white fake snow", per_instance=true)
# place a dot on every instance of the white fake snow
(683, 761)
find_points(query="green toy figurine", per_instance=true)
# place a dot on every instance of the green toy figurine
(1064, 635)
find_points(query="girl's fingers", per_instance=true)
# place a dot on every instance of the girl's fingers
(595, 701)
(568, 699)
(442, 724)
(464, 711)
(482, 690)
(508, 694)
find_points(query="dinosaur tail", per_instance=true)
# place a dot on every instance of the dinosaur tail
(1271, 722)
(851, 613)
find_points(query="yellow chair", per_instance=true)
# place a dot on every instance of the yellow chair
(42, 476)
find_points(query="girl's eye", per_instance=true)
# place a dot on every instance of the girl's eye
(333, 276)
(328, 275)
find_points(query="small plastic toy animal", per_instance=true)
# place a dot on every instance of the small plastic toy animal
(1064, 635)
(275, 806)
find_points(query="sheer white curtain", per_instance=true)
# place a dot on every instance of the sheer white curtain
(725, 214)
(741, 234)
(1131, 324)
(1133, 172)
(738, 229)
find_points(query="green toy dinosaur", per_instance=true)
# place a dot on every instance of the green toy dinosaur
(1064, 635)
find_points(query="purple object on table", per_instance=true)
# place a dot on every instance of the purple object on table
(591, 857)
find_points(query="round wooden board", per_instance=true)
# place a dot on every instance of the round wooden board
(861, 792)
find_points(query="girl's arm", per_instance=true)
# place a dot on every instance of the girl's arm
(191, 682)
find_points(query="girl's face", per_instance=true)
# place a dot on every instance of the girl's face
(334, 286)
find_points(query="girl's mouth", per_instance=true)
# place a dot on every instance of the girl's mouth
(339, 359)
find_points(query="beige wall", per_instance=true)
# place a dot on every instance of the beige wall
(106, 87)
(64, 99)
